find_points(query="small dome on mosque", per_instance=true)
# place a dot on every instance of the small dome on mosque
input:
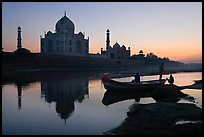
(123, 47)
(80, 33)
(49, 32)
(22, 52)
(141, 52)
(65, 25)
(116, 45)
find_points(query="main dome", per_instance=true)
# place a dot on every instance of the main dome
(65, 25)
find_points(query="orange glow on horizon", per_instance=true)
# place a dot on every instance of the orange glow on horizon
(176, 52)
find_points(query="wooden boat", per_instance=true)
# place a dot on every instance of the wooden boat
(113, 85)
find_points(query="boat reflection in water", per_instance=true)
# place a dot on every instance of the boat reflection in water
(64, 93)
(111, 97)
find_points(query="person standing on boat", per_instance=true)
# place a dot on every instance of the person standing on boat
(137, 78)
(161, 70)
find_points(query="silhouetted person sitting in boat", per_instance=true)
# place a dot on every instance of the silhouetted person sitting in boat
(161, 71)
(171, 79)
(137, 99)
(137, 78)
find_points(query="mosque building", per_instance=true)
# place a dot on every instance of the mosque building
(115, 52)
(64, 41)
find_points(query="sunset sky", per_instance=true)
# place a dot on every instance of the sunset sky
(167, 29)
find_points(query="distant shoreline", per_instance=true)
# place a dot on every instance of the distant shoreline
(36, 74)
(33, 64)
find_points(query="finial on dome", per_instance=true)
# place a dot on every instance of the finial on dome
(65, 13)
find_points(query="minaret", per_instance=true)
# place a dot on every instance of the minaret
(19, 38)
(107, 39)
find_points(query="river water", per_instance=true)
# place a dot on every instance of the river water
(71, 104)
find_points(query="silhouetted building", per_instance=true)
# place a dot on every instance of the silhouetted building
(115, 52)
(19, 38)
(139, 57)
(141, 53)
(20, 51)
(64, 41)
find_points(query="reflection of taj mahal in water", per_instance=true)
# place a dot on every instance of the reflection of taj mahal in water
(64, 92)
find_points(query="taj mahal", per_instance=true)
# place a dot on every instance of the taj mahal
(69, 49)
(64, 41)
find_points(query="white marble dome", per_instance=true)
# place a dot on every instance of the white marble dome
(65, 25)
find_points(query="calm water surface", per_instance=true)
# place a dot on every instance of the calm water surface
(72, 105)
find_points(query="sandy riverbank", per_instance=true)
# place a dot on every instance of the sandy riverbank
(165, 117)
(161, 119)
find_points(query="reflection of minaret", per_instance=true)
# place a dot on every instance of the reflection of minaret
(107, 39)
(19, 95)
(19, 38)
